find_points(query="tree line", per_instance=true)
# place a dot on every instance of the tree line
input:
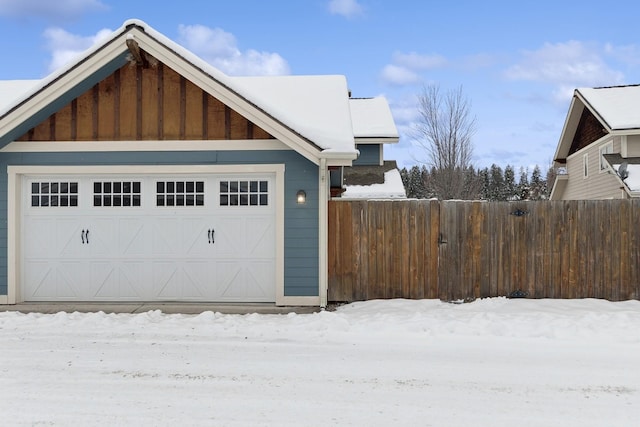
(490, 183)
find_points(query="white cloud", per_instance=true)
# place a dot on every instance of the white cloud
(219, 48)
(53, 10)
(399, 76)
(416, 61)
(405, 67)
(65, 46)
(346, 8)
(566, 66)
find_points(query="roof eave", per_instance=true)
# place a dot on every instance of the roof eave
(376, 139)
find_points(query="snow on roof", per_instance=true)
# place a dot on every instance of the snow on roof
(619, 106)
(633, 181)
(371, 118)
(13, 90)
(316, 107)
(633, 178)
(391, 189)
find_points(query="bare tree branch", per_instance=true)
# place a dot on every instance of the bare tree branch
(444, 132)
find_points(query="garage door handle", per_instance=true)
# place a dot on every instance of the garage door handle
(86, 236)
(211, 235)
(82, 236)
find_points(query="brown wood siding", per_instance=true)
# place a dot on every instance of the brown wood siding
(466, 250)
(589, 130)
(138, 103)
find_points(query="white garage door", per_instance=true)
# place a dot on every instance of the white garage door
(148, 238)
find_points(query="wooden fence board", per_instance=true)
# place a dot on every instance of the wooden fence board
(465, 250)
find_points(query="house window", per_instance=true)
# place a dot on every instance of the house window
(244, 193)
(54, 194)
(116, 193)
(605, 149)
(585, 165)
(180, 193)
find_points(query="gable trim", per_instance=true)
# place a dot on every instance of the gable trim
(227, 95)
(123, 146)
(60, 84)
(114, 49)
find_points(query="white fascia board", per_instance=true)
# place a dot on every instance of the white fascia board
(376, 140)
(226, 95)
(334, 158)
(124, 146)
(593, 111)
(62, 84)
(568, 120)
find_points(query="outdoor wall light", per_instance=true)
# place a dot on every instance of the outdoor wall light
(301, 197)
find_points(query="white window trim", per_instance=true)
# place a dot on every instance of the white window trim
(603, 164)
(585, 165)
(14, 198)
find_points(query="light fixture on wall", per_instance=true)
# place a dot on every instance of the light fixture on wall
(301, 197)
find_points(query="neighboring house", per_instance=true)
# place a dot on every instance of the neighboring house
(371, 176)
(141, 173)
(599, 149)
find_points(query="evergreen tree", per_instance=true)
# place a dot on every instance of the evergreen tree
(404, 176)
(523, 184)
(496, 183)
(537, 187)
(509, 183)
(485, 183)
(415, 189)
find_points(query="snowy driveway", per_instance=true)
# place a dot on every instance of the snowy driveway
(494, 362)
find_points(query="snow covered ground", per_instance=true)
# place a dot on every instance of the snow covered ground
(493, 362)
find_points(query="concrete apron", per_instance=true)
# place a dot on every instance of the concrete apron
(165, 307)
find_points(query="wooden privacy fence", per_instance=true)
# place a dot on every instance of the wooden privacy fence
(471, 249)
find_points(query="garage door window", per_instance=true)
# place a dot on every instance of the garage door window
(116, 193)
(244, 193)
(54, 194)
(180, 193)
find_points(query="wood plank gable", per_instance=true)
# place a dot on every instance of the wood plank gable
(589, 130)
(145, 103)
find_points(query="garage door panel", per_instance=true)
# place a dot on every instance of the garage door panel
(114, 281)
(102, 237)
(230, 280)
(165, 236)
(260, 237)
(180, 280)
(53, 237)
(196, 238)
(229, 237)
(132, 240)
(202, 251)
(60, 280)
(255, 272)
(68, 238)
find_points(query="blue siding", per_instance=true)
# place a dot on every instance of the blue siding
(300, 222)
(369, 155)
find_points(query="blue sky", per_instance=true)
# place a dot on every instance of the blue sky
(517, 62)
